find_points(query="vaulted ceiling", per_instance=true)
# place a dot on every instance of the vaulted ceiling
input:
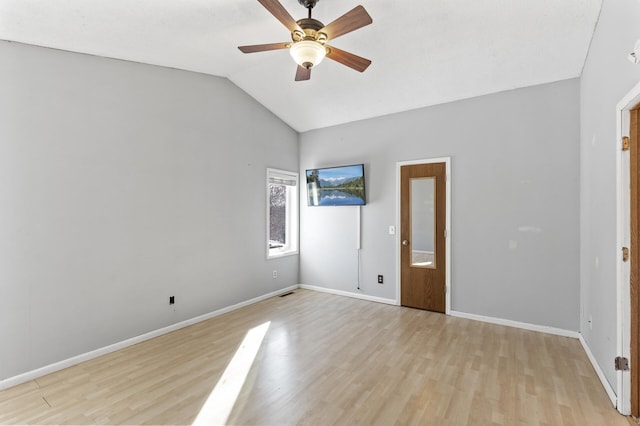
(424, 52)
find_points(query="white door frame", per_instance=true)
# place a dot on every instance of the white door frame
(447, 161)
(623, 345)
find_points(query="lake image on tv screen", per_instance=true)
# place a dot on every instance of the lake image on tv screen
(338, 186)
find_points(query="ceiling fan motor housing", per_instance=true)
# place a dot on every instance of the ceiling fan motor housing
(310, 31)
(308, 4)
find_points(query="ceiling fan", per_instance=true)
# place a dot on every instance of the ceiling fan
(309, 37)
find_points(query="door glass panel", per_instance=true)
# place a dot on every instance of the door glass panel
(423, 223)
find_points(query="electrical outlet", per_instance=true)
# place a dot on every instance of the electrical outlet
(275, 274)
(380, 279)
(172, 300)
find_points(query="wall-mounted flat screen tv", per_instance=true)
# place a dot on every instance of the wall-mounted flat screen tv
(336, 186)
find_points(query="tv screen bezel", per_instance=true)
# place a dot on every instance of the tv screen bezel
(364, 183)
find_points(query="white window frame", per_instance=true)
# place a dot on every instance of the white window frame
(291, 245)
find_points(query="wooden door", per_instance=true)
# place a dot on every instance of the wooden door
(422, 236)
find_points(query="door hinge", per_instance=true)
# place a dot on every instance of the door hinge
(446, 234)
(625, 254)
(621, 363)
(625, 143)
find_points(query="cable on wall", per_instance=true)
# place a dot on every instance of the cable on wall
(358, 220)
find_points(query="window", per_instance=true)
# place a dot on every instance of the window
(282, 213)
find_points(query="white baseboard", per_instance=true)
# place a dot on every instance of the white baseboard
(517, 324)
(603, 379)
(51, 368)
(349, 294)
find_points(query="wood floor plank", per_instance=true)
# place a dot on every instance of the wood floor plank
(325, 360)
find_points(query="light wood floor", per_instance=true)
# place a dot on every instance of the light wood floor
(330, 360)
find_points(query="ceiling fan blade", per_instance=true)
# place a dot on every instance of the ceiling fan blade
(263, 47)
(303, 73)
(356, 62)
(281, 14)
(350, 21)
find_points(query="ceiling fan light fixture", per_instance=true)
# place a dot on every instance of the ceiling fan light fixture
(307, 53)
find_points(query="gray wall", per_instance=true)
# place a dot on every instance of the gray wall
(514, 210)
(122, 184)
(607, 77)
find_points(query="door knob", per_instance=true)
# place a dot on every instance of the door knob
(405, 242)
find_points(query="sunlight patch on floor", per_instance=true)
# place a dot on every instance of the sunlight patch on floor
(218, 407)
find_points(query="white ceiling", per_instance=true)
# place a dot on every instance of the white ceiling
(424, 52)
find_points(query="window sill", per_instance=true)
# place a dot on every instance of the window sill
(282, 254)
